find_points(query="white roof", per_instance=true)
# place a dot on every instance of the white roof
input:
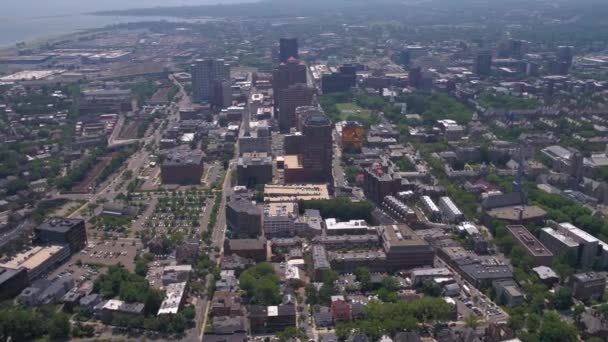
(273, 311)
(173, 298)
(332, 223)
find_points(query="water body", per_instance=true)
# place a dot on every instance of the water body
(26, 20)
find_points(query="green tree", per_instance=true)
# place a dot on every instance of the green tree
(555, 330)
(325, 293)
(154, 299)
(261, 284)
(312, 295)
(329, 277)
(59, 327)
(141, 267)
(291, 333)
(562, 300)
(472, 321)
(364, 277)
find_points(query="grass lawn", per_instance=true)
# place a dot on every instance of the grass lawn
(352, 112)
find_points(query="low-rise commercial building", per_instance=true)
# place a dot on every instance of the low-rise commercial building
(39, 260)
(532, 247)
(404, 249)
(352, 227)
(279, 219)
(320, 262)
(350, 261)
(421, 275)
(255, 249)
(508, 292)
(588, 286)
(112, 308)
(174, 299)
(295, 192)
(12, 281)
(253, 169)
(243, 218)
(557, 242)
(180, 166)
(266, 319)
(366, 241)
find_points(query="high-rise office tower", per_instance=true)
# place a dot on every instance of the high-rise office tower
(287, 74)
(415, 77)
(340, 81)
(288, 48)
(292, 97)
(205, 74)
(516, 48)
(317, 151)
(222, 93)
(565, 55)
(405, 57)
(483, 63)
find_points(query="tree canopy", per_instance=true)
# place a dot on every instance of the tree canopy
(261, 284)
(391, 318)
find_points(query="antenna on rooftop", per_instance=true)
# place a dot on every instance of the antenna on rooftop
(518, 185)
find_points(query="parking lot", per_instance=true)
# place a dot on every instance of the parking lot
(109, 253)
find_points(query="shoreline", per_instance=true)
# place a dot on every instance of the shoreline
(44, 38)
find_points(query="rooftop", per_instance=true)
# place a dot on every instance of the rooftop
(400, 235)
(487, 272)
(512, 213)
(545, 272)
(59, 225)
(121, 306)
(173, 298)
(576, 233)
(280, 209)
(526, 239)
(333, 224)
(34, 257)
(247, 244)
(588, 276)
(8, 273)
(182, 156)
(566, 240)
(257, 158)
(295, 192)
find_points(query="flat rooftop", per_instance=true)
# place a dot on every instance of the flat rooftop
(183, 157)
(576, 233)
(7, 273)
(279, 209)
(333, 224)
(59, 225)
(292, 162)
(398, 235)
(512, 213)
(34, 257)
(257, 158)
(295, 192)
(566, 240)
(526, 239)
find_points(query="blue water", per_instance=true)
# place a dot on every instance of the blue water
(25, 20)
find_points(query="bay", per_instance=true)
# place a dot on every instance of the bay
(27, 20)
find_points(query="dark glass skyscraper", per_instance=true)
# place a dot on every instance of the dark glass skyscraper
(317, 152)
(288, 47)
